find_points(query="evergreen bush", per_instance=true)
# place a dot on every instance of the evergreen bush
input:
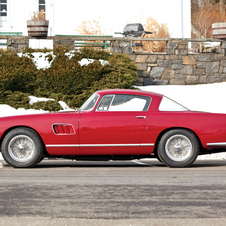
(78, 82)
(17, 73)
(49, 105)
(15, 99)
(65, 80)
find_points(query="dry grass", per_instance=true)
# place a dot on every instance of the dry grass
(160, 31)
(92, 27)
(204, 16)
(150, 24)
(39, 15)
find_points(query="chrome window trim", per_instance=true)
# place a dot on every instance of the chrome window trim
(113, 97)
(163, 101)
(93, 106)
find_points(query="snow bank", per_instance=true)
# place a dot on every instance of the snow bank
(41, 61)
(209, 97)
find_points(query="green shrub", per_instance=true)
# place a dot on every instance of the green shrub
(21, 100)
(17, 73)
(15, 99)
(47, 105)
(67, 76)
(121, 74)
(65, 80)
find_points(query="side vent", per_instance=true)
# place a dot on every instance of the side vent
(63, 129)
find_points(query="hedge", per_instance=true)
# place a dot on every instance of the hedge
(65, 79)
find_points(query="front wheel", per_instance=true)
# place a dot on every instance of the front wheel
(22, 147)
(178, 148)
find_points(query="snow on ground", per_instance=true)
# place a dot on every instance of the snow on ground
(208, 97)
(41, 61)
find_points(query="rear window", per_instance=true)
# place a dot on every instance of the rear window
(170, 105)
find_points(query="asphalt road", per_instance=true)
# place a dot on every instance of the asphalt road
(145, 192)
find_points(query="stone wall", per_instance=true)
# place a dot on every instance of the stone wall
(179, 67)
(19, 43)
(175, 67)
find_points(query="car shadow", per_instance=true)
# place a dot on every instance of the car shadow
(96, 164)
(64, 163)
(123, 164)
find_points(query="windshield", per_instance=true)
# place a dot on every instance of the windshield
(90, 103)
(170, 105)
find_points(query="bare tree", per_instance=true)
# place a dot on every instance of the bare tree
(194, 5)
(207, 13)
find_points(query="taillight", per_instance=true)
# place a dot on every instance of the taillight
(63, 129)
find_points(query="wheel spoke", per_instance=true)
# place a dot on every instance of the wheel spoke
(178, 147)
(21, 148)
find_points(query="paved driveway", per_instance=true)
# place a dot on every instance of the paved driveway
(113, 193)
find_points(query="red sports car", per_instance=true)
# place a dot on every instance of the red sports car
(114, 125)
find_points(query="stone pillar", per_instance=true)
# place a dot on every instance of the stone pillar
(17, 43)
(223, 48)
(176, 47)
(122, 47)
(64, 40)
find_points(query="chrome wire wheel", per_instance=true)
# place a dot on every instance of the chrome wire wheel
(178, 148)
(21, 148)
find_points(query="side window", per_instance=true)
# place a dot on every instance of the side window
(90, 103)
(105, 103)
(3, 8)
(42, 6)
(124, 103)
(3, 17)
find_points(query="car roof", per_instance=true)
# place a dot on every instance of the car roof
(128, 91)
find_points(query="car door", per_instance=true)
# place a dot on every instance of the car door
(115, 127)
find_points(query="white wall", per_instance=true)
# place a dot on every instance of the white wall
(19, 11)
(65, 16)
(119, 13)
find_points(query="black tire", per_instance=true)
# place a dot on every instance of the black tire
(178, 148)
(22, 147)
(159, 158)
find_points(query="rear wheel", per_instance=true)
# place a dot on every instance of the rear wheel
(22, 147)
(158, 158)
(178, 148)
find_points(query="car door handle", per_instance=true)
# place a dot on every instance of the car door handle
(140, 116)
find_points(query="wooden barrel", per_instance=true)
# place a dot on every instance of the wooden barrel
(37, 28)
(219, 30)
